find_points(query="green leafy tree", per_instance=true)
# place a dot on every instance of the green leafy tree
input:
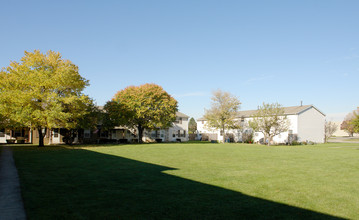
(43, 91)
(348, 125)
(355, 121)
(270, 120)
(223, 112)
(89, 118)
(146, 106)
(192, 126)
(114, 114)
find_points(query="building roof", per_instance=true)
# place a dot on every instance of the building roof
(180, 114)
(292, 110)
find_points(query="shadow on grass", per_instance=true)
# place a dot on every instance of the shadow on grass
(60, 183)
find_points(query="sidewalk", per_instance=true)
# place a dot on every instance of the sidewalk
(11, 205)
(344, 140)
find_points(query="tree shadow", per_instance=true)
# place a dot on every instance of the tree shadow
(81, 184)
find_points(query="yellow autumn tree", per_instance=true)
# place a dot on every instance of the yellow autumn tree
(146, 106)
(43, 91)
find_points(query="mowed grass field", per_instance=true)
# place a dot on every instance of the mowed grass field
(190, 181)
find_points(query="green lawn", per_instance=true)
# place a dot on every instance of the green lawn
(190, 181)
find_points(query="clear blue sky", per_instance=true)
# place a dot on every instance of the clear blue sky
(261, 51)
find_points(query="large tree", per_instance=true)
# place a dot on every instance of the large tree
(223, 112)
(270, 120)
(348, 123)
(43, 91)
(146, 106)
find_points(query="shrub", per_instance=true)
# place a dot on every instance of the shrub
(247, 137)
(296, 143)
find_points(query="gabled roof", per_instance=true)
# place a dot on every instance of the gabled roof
(180, 114)
(292, 110)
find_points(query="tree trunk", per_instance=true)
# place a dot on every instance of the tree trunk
(41, 136)
(266, 138)
(224, 135)
(140, 133)
(269, 140)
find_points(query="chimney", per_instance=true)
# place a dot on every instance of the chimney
(301, 103)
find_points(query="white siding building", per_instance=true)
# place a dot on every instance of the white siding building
(306, 124)
(177, 133)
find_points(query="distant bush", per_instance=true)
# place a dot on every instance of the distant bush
(247, 137)
(296, 143)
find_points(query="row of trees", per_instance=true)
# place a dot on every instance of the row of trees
(269, 119)
(45, 91)
(351, 123)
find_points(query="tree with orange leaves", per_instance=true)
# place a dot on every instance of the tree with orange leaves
(146, 106)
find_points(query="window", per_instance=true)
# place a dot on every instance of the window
(56, 133)
(87, 134)
(178, 121)
(18, 133)
(2, 132)
(104, 134)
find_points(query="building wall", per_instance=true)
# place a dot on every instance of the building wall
(23, 133)
(4, 135)
(210, 132)
(282, 137)
(178, 132)
(308, 126)
(180, 129)
(35, 137)
(311, 126)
